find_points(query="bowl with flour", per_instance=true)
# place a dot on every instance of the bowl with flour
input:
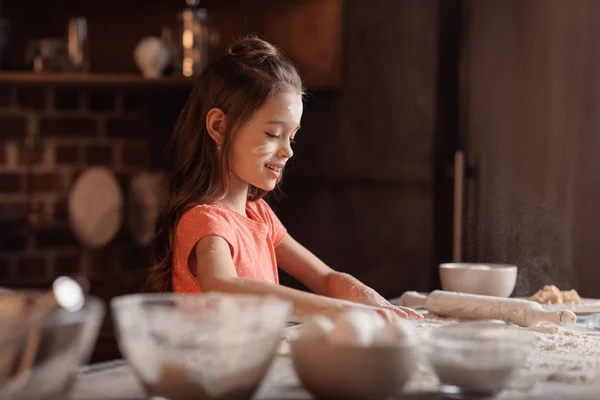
(486, 279)
(356, 356)
(476, 360)
(211, 346)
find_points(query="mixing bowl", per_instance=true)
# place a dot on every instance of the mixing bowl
(334, 371)
(487, 279)
(472, 361)
(62, 341)
(200, 346)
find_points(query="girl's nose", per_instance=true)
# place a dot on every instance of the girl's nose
(286, 151)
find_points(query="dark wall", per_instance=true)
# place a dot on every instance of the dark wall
(361, 190)
(530, 109)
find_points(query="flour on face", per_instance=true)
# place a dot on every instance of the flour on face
(265, 151)
(295, 111)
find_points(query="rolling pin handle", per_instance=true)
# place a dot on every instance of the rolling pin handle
(567, 317)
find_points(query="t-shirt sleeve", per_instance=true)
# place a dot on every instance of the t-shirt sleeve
(199, 222)
(278, 231)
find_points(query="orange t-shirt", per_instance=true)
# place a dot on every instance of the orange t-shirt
(252, 240)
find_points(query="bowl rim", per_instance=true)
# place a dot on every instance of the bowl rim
(93, 308)
(118, 302)
(461, 338)
(93, 304)
(401, 344)
(93, 311)
(470, 266)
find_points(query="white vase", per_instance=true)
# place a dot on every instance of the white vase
(152, 56)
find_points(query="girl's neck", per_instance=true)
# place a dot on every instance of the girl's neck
(237, 196)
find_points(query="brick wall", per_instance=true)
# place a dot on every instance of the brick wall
(48, 135)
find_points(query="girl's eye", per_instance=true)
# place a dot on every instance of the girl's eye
(272, 136)
(292, 141)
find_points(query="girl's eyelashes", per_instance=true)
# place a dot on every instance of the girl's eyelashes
(272, 136)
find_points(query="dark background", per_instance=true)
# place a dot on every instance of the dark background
(395, 88)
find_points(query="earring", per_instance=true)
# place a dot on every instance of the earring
(219, 147)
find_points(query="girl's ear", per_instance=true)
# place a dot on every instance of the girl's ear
(216, 123)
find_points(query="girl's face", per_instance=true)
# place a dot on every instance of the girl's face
(264, 144)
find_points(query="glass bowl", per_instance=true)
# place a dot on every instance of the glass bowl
(207, 346)
(61, 341)
(346, 372)
(476, 360)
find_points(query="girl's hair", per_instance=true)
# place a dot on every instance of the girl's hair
(238, 83)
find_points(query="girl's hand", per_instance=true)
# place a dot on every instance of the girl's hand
(409, 311)
(391, 313)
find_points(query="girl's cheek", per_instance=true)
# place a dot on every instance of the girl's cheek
(264, 150)
(270, 148)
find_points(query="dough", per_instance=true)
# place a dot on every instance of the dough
(550, 294)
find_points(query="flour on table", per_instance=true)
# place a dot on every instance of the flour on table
(566, 355)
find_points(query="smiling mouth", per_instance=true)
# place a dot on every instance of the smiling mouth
(273, 168)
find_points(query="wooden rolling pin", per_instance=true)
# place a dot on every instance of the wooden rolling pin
(477, 307)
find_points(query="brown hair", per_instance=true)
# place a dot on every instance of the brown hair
(238, 83)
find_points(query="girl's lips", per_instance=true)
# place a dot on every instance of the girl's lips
(274, 169)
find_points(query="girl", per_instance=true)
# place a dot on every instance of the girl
(229, 149)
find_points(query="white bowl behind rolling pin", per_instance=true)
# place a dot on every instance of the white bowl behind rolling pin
(486, 279)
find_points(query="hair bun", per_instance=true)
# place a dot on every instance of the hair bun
(252, 50)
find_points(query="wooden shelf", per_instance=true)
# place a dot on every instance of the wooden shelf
(58, 78)
(310, 33)
(123, 79)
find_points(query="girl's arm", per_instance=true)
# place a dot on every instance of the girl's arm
(216, 272)
(303, 265)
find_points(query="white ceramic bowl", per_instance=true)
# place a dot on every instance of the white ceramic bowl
(472, 360)
(486, 279)
(211, 346)
(332, 371)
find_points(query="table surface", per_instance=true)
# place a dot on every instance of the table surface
(116, 380)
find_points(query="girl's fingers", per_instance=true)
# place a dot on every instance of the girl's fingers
(412, 313)
(390, 315)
